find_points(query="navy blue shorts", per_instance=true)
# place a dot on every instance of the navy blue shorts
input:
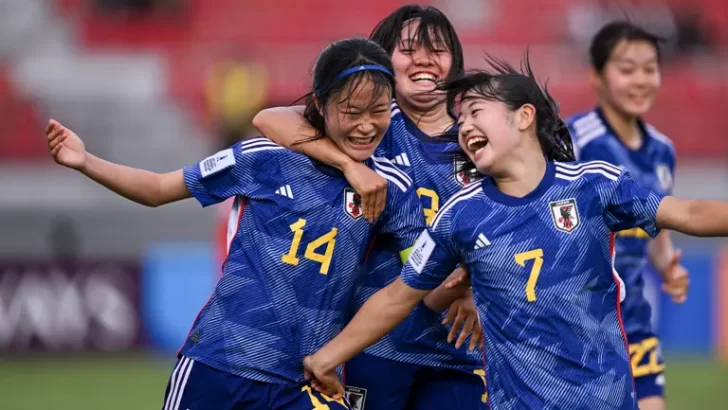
(647, 365)
(373, 383)
(196, 386)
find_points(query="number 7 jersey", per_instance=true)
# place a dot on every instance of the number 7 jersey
(542, 273)
(297, 241)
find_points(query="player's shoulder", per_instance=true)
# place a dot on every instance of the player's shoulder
(463, 198)
(260, 144)
(587, 128)
(396, 178)
(591, 172)
(660, 139)
(261, 149)
(395, 112)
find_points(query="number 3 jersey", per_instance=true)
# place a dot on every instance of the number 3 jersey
(297, 241)
(542, 273)
(430, 162)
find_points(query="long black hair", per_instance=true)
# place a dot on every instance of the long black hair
(388, 33)
(339, 70)
(604, 42)
(515, 88)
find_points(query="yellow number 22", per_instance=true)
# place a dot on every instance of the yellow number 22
(328, 239)
(537, 256)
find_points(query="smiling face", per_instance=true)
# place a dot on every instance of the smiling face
(358, 117)
(417, 68)
(488, 132)
(631, 78)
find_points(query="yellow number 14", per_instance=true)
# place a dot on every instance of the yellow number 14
(537, 256)
(328, 239)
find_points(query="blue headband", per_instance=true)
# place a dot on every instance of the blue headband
(352, 70)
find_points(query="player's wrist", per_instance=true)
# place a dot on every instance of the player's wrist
(322, 363)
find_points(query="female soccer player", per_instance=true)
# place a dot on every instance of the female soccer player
(536, 236)
(423, 370)
(626, 75)
(291, 271)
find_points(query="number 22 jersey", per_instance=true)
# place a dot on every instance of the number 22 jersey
(542, 273)
(298, 240)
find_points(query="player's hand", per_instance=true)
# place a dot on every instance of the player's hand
(65, 146)
(370, 186)
(464, 318)
(459, 277)
(322, 380)
(676, 279)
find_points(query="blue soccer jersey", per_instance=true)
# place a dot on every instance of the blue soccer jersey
(653, 166)
(289, 279)
(422, 338)
(542, 274)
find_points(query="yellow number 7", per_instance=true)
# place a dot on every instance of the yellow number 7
(537, 256)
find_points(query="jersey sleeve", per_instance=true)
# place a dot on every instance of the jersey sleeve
(229, 172)
(432, 259)
(630, 205)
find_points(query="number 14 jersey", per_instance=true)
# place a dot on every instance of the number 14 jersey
(297, 241)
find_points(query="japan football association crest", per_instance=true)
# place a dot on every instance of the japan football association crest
(464, 177)
(565, 215)
(664, 177)
(352, 203)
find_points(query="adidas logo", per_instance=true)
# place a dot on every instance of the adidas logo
(401, 159)
(285, 191)
(481, 242)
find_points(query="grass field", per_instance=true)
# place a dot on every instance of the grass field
(137, 382)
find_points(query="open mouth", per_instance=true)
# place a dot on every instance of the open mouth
(476, 144)
(421, 77)
(363, 142)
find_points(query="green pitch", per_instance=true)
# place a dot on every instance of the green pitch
(137, 382)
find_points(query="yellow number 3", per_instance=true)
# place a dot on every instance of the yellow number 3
(328, 239)
(537, 256)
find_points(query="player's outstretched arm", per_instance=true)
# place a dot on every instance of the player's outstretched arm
(379, 315)
(286, 126)
(144, 187)
(693, 217)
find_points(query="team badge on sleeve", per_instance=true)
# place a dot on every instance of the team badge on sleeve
(352, 203)
(464, 177)
(565, 215)
(664, 176)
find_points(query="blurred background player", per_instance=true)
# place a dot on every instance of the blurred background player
(277, 302)
(626, 75)
(537, 236)
(414, 367)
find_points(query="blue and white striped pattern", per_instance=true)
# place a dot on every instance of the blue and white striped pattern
(572, 172)
(653, 166)
(391, 173)
(281, 298)
(565, 348)
(429, 163)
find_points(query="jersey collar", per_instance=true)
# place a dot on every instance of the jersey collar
(491, 190)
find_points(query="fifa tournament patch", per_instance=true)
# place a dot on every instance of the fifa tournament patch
(215, 163)
(565, 215)
(352, 203)
(421, 251)
(356, 397)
